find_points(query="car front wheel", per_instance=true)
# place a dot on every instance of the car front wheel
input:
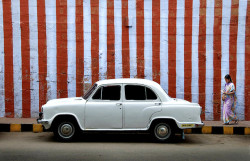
(65, 131)
(163, 132)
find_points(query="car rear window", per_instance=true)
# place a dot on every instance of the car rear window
(150, 94)
(108, 93)
(137, 92)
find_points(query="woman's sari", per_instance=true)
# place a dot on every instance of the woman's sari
(229, 104)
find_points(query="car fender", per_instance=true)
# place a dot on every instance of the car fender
(50, 121)
(153, 118)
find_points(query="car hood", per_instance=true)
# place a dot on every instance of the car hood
(64, 101)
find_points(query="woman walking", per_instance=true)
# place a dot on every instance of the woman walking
(229, 104)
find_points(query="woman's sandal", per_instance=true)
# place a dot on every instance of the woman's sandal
(236, 121)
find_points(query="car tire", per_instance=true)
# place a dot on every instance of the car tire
(163, 132)
(65, 131)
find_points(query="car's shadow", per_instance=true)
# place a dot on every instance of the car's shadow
(119, 138)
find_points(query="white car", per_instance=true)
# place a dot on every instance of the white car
(120, 105)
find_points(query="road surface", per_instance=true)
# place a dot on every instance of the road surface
(42, 146)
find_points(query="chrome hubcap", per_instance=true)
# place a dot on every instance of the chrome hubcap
(162, 131)
(66, 130)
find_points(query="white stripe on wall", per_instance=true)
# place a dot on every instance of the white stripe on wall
(71, 36)
(118, 38)
(240, 76)
(17, 59)
(87, 42)
(148, 39)
(180, 48)
(209, 59)
(132, 38)
(102, 39)
(164, 44)
(195, 59)
(226, 14)
(2, 95)
(50, 9)
(34, 81)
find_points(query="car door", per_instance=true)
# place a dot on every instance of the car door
(104, 109)
(140, 102)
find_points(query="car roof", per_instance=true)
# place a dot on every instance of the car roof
(156, 87)
(128, 81)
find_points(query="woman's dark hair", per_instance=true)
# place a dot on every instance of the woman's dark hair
(228, 77)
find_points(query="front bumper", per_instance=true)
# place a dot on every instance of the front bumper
(40, 121)
(45, 123)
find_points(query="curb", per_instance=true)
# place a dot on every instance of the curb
(36, 128)
(21, 128)
(219, 130)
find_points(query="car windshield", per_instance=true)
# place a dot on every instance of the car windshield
(90, 91)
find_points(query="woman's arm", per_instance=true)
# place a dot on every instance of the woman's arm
(229, 92)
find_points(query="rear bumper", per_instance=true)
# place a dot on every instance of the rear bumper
(189, 125)
(199, 125)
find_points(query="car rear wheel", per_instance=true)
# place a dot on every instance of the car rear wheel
(65, 130)
(163, 132)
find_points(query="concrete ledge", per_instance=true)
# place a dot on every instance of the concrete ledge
(21, 128)
(247, 131)
(37, 128)
(15, 127)
(220, 130)
(206, 130)
(227, 130)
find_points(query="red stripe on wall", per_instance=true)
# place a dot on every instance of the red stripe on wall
(110, 40)
(202, 57)
(172, 48)
(61, 40)
(79, 48)
(247, 64)
(125, 40)
(42, 52)
(8, 59)
(233, 40)
(156, 20)
(188, 50)
(95, 40)
(140, 37)
(217, 60)
(25, 49)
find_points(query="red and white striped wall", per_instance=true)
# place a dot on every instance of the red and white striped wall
(58, 48)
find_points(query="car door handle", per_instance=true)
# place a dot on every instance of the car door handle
(118, 104)
(157, 104)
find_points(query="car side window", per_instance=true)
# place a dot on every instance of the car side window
(108, 93)
(135, 92)
(97, 94)
(150, 94)
(111, 93)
